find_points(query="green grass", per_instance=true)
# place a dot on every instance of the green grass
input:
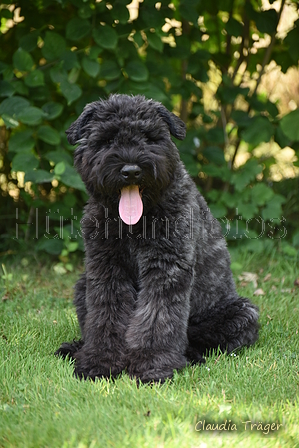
(43, 405)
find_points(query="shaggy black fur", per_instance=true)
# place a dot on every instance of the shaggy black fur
(160, 293)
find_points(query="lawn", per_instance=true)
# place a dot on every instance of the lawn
(246, 399)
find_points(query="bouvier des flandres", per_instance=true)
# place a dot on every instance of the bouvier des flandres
(158, 292)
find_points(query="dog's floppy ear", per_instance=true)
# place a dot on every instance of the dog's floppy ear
(77, 129)
(176, 126)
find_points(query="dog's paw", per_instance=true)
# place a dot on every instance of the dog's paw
(87, 370)
(152, 375)
(69, 349)
(194, 357)
(96, 367)
(95, 372)
(150, 367)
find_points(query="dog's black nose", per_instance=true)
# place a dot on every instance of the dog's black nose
(131, 173)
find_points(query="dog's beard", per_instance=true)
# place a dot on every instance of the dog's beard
(101, 175)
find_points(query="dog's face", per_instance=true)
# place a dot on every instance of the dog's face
(125, 154)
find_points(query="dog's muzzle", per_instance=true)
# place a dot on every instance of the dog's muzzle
(130, 203)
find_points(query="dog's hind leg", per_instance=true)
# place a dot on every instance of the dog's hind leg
(229, 325)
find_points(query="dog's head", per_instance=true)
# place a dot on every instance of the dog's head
(125, 153)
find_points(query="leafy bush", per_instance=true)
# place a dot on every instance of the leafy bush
(56, 56)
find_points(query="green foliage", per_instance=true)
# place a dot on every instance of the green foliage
(62, 55)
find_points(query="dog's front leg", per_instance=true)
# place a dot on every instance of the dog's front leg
(157, 332)
(110, 300)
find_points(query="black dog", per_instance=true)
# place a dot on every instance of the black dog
(158, 291)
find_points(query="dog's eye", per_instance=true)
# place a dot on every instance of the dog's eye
(148, 139)
(106, 141)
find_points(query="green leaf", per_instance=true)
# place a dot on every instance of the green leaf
(35, 79)
(31, 115)
(289, 250)
(22, 60)
(293, 51)
(271, 108)
(188, 11)
(109, 70)
(229, 199)
(70, 60)
(215, 135)
(273, 208)
(29, 41)
(105, 36)
(12, 106)
(241, 118)
(38, 176)
(21, 141)
(246, 174)
(20, 88)
(254, 243)
(9, 122)
(6, 13)
(6, 89)
(85, 12)
(74, 75)
(24, 162)
(54, 46)
(261, 103)
(137, 71)
(92, 68)
(120, 12)
(72, 246)
(138, 39)
(3, 67)
(154, 41)
(289, 125)
(234, 27)
(48, 135)
(59, 156)
(94, 52)
(266, 21)
(221, 172)
(228, 94)
(218, 210)
(71, 178)
(77, 28)
(58, 74)
(214, 154)
(236, 267)
(281, 138)
(198, 68)
(52, 246)
(190, 163)
(151, 16)
(52, 110)
(259, 130)
(59, 168)
(261, 194)
(212, 170)
(70, 91)
(247, 209)
(148, 89)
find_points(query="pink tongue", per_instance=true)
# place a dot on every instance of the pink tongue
(130, 205)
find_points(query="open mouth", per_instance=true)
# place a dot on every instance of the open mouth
(130, 204)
